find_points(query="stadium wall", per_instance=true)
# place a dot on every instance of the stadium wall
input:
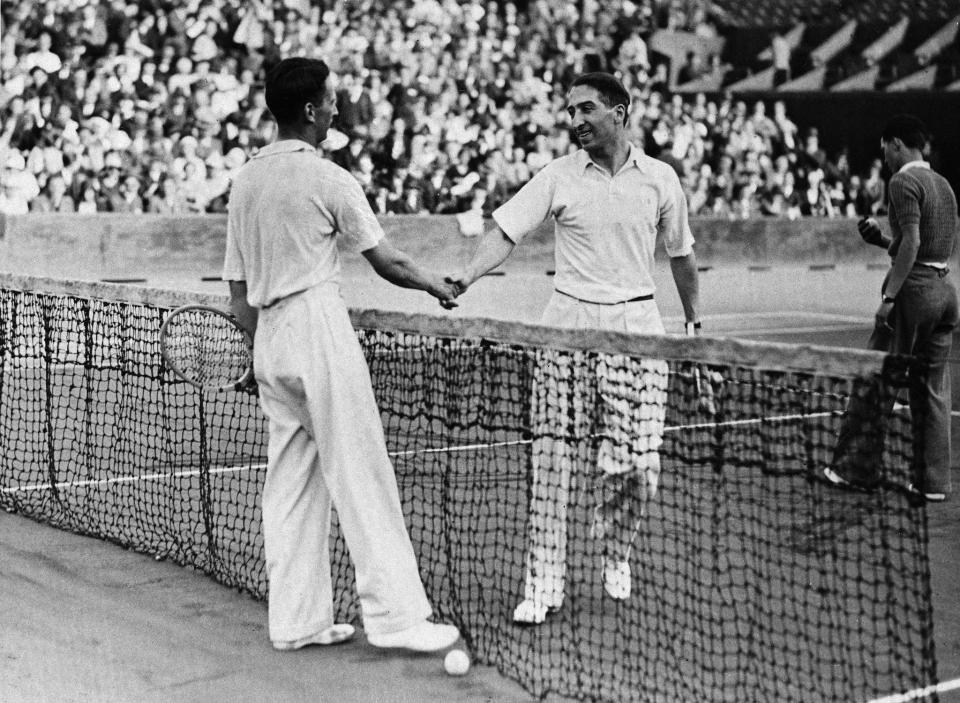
(133, 246)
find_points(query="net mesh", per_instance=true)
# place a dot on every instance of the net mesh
(751, 578)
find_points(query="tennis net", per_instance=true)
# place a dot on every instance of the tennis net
(751, 578)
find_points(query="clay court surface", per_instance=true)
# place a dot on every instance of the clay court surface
(87, 621)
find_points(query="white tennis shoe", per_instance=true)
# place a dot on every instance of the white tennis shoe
(422, 637)
(929, 496)
(533, 611)
(335, 634)
(616, 578)
(835, 478)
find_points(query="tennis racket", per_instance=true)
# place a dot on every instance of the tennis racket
(207, 348)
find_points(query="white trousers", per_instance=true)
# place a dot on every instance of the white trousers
(632, 396)
(326, 448)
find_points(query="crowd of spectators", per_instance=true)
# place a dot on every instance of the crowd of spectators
(445, 106)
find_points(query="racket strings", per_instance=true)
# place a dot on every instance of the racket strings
(208, 348)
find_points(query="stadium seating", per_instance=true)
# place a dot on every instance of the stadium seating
(444, 107)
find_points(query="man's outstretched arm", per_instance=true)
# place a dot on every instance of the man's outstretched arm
(494, 248)
(395, 266)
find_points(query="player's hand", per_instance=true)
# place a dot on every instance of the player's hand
(705, 381)
(461, 280)
(883, 316)
(870, 231)
(446, 292)
(707, 384)
(249, 387)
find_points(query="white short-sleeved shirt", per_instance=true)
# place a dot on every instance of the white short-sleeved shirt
(606, 226)
(289, 211)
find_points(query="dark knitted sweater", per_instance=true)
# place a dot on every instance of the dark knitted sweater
(921, 196)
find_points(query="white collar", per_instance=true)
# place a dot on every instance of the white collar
(284, 146)
(917, 163)
(635, 157)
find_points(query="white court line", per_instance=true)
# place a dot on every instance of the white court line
(796, 330)
(829, 322)
(131, 479)
(900, 407)
(796, 314)
(412, 452)
(231, 469)
(750, 421)
(461, 448)
(917, 693)
(409, 452)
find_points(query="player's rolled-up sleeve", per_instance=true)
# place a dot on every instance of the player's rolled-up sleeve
(233, 257)
(357, 227)
(674, 225)
(528, 208)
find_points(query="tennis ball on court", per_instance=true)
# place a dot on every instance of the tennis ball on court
(456, 663)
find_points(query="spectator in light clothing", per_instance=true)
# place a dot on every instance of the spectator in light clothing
(43, 57)
(87, 201)
(632, 55)
(17, 185)
(54, 197)
(780, 48)
(129, 200)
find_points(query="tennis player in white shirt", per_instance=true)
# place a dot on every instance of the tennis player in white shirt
(289, 207)
(610, 203)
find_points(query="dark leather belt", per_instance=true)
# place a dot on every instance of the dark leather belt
(638, 299)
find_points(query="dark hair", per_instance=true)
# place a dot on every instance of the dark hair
(908, 129)
(293, 83)
(610, 89)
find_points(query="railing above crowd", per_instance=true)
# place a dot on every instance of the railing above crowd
(444, 106)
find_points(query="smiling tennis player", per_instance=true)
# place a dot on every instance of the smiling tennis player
(610, 202)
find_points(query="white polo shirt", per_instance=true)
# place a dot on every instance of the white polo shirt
(606, 226)
(289, 211)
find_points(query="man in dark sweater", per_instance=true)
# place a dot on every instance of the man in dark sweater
(917, 316)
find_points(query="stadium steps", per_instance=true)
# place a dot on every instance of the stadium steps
(786, 13)
(906, 54)
(869, 44)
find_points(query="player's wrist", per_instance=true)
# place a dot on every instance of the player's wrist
(472, 274)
